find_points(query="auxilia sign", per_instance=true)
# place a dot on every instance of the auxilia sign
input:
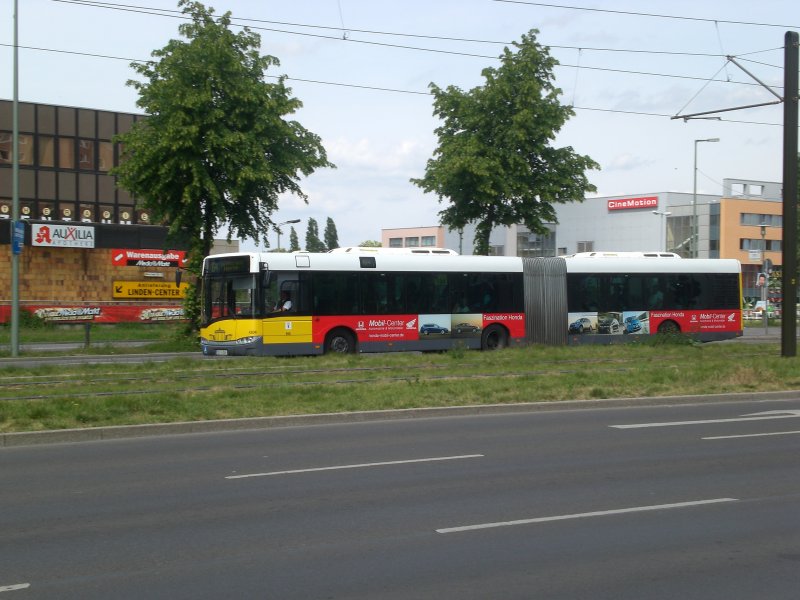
(148, 290)
(62, 236)
(633, 203)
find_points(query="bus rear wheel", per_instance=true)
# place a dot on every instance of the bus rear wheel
(669, 327)
(494, 337)
(341, 341)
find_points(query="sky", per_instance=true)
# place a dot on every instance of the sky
(362, 69)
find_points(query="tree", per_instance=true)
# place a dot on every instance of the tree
(215, 148)
(370, 244)
(495, 164)
(331, 237)
(313, 243)
(294, 244)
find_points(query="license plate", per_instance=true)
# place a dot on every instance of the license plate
(221, 353)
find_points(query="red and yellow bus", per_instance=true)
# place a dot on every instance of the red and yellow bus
(379, 301)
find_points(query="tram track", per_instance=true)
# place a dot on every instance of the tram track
(42, 387)
(17, 381)
(338, 382)
(113, 376)
(18, 387)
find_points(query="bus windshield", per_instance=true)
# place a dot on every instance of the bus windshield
(231, 296)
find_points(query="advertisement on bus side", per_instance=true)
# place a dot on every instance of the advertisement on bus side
(645, 322)
(392, 328)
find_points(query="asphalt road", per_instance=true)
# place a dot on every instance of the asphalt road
(692, 501)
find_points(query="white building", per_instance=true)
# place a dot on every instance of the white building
(660, 221)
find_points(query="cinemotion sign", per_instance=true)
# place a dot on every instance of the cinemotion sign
(633, 203)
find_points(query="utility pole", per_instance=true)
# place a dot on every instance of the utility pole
(790, 166)
(16, 246)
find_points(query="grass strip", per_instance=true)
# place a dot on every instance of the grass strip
(188, 390)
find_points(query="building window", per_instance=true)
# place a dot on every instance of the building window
(86, 155)
(66, 153)
(5, 148)
(586, 246)
(412, 242)
(105, 155)
(758, 244)
(47, 151)
(756, 219)
(429, 240)
(679, 235)
(395, 242)
(25, 148)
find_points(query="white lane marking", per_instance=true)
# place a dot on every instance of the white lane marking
(747, 435)
(14, 587)
(762, 416)
(599, 513)
(358, 466)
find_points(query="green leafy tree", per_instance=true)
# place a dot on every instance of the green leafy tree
(495, 163)
(313, 243)
(294, 244)
(370, 244)
(331, 237)
(216, 147)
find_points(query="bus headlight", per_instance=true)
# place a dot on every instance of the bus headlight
(248, 340)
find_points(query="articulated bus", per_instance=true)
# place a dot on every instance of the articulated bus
(374, 301)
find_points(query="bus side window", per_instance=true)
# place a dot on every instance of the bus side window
(412, 293)
(374, 293)
(655, 296)
(457, 284)
(583, 292)
(618, 293)
(636, 299)
(441, 295)
(687, 291)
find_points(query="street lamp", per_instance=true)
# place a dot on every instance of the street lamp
(663, 214)
(278, 230)
(695, 239)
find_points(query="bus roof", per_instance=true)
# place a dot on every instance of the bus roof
(343, 261)
(612, 264)
(382, 250)
(388, 261)
(624, 255)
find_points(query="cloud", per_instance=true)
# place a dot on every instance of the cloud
(627, 162)
(400, 157)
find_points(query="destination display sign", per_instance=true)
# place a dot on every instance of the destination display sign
(148, 290)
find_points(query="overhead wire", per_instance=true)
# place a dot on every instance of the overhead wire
(238, 21)
(560, 65)
(179, 14)
(385, 89)
(642, 14)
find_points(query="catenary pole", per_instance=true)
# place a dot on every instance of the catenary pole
(15, 195)
(790, 167)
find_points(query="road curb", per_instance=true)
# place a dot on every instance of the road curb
(93, 434)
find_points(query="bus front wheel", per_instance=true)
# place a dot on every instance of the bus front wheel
(341, 341)
(494, 337)
(669, 327)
